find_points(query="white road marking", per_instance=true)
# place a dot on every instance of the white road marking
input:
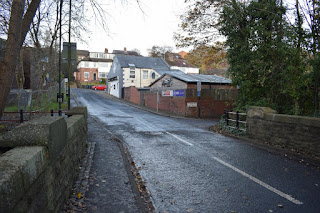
(278, 192)
(145, 123)
(180, 139)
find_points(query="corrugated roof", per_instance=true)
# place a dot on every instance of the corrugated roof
(202, 78)
(156, 64)
(192, 78)
(162, 72)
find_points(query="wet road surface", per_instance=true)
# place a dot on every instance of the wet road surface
(190, 169)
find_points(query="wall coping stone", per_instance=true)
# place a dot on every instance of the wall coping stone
(80, 110)
(259, 112)
(74, 123)
(269, 114)
(47, 131)
(293, 119)
(19, 167)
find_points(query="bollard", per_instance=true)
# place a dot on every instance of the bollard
(21, 115)
(52, 112)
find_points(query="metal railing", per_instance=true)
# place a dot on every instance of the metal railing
(21, 116)
(235, 120)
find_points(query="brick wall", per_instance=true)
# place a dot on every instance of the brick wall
(131, 94)
(213, 102)
(287, 131)
(37, 175)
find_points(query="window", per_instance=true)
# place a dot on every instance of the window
(145, 74)
(153, 75)
(86, 64)
(132, 72)
(86, 74)
(102, 74)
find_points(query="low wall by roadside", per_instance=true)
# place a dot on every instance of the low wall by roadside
(131, 94)
(288, 131)
(38, 173)
(210, 104)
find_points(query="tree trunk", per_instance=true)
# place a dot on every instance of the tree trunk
(9, 62)
(19, 25)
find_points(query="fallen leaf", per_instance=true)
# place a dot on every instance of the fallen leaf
(97, 184)
(79, 195)
(270, 210)
(190, 210)
(280, 205)
(172, 202)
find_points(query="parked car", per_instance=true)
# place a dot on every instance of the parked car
(99, 87)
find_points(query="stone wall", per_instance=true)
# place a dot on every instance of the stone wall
(298, 133)
(38, 173)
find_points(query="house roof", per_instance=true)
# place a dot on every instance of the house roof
(175, 59)
(156, 64)
(122, 52)
(98, 59)
(193, 78)
(83, 52)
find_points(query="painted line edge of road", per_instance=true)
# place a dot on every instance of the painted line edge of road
(180, 139)
(270, 188)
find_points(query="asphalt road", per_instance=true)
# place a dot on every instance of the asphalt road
(190, 169)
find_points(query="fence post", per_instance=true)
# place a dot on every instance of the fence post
(52, 112)
(21, 115)
(227, 117)
(237, 118)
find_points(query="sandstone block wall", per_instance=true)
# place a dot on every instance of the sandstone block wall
(293, 132)
(38, 173)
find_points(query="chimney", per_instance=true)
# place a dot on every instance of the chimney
(125, 49)
(106, 50)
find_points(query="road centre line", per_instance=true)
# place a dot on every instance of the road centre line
(180, 139)
(144, 123)
(278, 192)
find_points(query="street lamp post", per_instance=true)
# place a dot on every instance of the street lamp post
(69, 57)
(60, 96)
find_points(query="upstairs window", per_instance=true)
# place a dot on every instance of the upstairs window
(132, 71)
(86, 74)
(145, 74)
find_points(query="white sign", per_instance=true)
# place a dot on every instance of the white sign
(192, 104)
(167, 93)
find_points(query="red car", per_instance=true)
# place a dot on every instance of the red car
(99, 87)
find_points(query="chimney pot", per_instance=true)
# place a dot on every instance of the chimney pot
(106, 50)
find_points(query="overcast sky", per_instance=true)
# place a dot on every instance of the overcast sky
(131, 28)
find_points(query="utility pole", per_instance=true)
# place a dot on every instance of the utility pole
(60, 95)
(69, 57)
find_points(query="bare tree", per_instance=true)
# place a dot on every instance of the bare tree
(19, 24)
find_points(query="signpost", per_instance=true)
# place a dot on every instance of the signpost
(199, 94)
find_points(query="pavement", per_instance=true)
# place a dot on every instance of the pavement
(108, 179)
